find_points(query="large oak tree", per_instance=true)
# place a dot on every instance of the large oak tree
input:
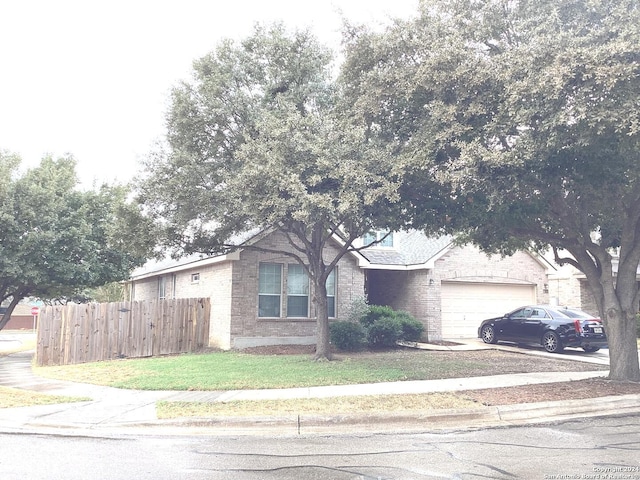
(257, 140)
(528, 111)
(57, 240)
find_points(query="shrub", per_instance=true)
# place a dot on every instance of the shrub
(412, 329)
(384, 326)
(384, 332)
(638, 325)
(375, 312)
(358, 308)
(347, 336)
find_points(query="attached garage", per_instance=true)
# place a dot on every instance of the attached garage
(464, 304)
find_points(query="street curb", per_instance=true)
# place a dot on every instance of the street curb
(408, 422)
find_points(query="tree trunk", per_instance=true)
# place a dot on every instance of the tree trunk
(323, 345)
(620, 324)
(7, 315)
(615, 299)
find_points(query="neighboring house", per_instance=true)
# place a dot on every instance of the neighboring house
(568, 286)
(260, 298)
(21, 318)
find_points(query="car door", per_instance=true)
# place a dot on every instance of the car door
(534, 325)
(512, 325)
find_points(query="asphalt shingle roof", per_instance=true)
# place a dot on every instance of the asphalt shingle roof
(409, 248)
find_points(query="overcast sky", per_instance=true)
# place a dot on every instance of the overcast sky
(91, 77)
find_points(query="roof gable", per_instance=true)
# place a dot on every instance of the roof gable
(409, 248)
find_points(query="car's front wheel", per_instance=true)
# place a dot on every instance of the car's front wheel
(551, 342)
(591, 349)
(488, 334)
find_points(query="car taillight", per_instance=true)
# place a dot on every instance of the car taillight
(578, 326)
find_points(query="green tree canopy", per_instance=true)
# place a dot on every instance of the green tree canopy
(56, 240)
(257, 140)
(528, 112)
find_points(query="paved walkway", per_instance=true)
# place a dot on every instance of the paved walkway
(111, 409)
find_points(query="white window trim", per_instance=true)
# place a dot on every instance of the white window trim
(162, 287)
(334, 272)
(308, 294)
(280, 295)
(378, 234)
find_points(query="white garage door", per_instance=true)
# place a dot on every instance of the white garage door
(465, 305)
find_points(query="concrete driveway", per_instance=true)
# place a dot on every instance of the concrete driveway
(600, 357)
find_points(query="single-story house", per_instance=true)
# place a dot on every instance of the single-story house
(260, 298)
(21, 318)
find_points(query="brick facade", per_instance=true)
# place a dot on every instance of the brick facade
(419, 290)
(232, 286)
(249, 330)
(569, 288)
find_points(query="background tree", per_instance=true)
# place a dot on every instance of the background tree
(527, 111)
(56, 240)
(257, 140)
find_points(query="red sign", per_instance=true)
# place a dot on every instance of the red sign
(35, 311)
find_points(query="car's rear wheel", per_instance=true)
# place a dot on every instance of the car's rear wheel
(551, 342)
(488, 334)
(591, 349)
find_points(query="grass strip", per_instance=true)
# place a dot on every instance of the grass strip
(315, 406)
(13, 397)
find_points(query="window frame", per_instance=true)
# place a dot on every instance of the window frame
(377, 236)
(332, 295)
(300, 270)
(262, 294)
(162, 287)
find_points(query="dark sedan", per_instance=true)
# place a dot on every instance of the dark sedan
(552, 327)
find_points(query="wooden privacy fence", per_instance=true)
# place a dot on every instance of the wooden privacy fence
(69, 334)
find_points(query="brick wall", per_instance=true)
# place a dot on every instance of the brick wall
(233, 289)
(247, 329)
(419, 291)
(407, 291)
(470, 264)
(565, 287)
(213, 281)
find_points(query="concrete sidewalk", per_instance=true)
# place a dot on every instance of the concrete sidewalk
(116, 411)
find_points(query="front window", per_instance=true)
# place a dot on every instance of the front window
(284, 291)
(383, 237)
(269, 289)
(331, 294)
(297, 291)
(369, 238)
(386, 239)
(162, 288)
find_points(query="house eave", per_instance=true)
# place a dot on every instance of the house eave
(231, 256)
(402, 268)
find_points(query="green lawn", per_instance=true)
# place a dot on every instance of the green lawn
(235, 371)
